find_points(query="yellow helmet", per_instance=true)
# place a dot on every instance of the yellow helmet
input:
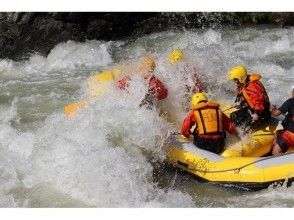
(175, 56)
(146, 64)
(197, 98)
(238, 72)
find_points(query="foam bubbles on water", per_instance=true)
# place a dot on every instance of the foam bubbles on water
(72, 54)
(280, 197)
(99, 158)
(64, 56)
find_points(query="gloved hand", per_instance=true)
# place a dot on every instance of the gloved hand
(255, 117)
(272, 108)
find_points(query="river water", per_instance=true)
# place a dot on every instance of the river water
(110, 155)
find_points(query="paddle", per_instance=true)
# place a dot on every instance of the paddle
(71, 109)
(229, 108)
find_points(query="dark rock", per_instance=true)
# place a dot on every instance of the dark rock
(95, 28)
(147, 26)
(282, 18)
(22, 33)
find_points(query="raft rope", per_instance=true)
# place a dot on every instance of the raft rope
(233, 169)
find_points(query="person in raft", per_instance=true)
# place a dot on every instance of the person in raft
(284, 139)
(177, 57)
(252, 98)
(156, 89)
(211, 124)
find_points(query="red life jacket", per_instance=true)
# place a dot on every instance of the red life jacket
(254, 94)
(155, 86)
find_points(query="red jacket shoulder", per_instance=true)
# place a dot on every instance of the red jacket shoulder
(158, 88)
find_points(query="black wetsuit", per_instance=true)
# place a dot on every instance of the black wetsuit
(288, 109)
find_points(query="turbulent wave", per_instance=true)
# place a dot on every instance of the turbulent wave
(105, 157)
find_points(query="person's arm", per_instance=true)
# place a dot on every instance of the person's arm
(188, 123)
(275, 111)
(228, 125)
(282, 110)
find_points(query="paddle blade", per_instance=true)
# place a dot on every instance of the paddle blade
(71, 109)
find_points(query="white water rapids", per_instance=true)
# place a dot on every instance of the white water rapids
(99, 159)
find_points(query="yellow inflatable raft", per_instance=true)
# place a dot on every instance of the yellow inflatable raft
(240, 164)
(249, 172)
(97, 84)
(254, 144)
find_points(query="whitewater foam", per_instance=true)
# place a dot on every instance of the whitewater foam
(104, 157)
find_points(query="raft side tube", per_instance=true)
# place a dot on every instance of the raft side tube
(233, 170)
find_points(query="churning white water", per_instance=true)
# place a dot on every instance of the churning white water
(110, 154)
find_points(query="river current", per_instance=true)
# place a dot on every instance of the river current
(111, 154)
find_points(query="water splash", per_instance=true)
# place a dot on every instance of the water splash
(103, 158)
